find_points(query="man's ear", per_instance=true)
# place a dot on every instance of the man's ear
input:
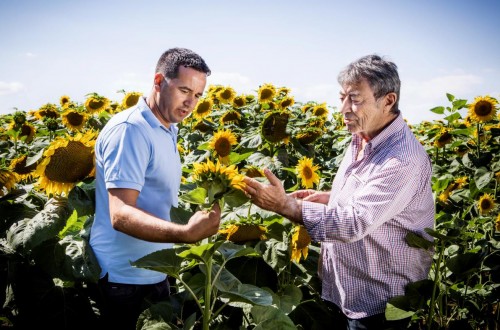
(157, 81)
(390, 99)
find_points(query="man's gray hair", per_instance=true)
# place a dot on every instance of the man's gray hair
(382, 76)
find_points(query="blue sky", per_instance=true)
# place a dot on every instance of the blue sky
(54, 48)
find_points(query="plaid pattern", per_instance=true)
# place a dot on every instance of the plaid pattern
(374, 203)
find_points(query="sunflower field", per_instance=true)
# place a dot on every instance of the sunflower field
(259, 271)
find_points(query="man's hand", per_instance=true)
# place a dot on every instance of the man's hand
(203, 224)
(272, 197)
(310, 195)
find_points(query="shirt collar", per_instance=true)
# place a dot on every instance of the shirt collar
(396, 125)
(149, 116)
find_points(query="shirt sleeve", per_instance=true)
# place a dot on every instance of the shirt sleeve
(126, 157)
(361, 207)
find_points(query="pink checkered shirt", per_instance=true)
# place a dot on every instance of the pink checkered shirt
(374, 203)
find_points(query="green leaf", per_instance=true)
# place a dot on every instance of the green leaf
(229, 251)
(35, 158)
(438, 110)
(396, 309)
(180, 215)
(417, 241)
(196, 196)
(454, 116)
(235, 198)
(288, 299)
(482, 177)
(270, 317)
(226, 282)
(236, 158)
(450, 97)
(463, 264)
(166, 261)
(459, 104)
(201, 253)
(82, 198)
(249, 294)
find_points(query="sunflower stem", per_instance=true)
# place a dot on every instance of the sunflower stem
(478, 141)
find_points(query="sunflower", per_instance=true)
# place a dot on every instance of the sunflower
(306, 171)
(65, 101)
(203, 108)
(307, 107)
(96, 103)
(221, 142)
(320, 110)
(461, 150)
(240, 232)
(468, 121)
(217, 179)
(203, 126)
(300, 243)
(130, 99)
(483, 109)
(8, 180)
(274, 126)
(226, 95)
(497, 222)
(19, 118)
(497, 177)
(253, 172)
(67, 161)
(26, 131)
(73, 119)
(443, 138)
(283, 91)
(486, 204)
(309, 135)
(461, 182)
(230, 116)
(48, 110)
(239, 101)
(18, 166)
(266, 93)
(443, 197)
(286, 102)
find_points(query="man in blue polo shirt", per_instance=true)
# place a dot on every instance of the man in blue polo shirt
(138, 173)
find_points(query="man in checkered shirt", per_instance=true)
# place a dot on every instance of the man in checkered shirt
(381, 192)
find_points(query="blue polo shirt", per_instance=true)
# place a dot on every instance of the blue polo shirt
(135, 151)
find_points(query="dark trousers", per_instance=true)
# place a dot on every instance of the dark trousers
(121, 304)
(374, 322)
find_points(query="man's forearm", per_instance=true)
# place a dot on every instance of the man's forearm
(291, 209)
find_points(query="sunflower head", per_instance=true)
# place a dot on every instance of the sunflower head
(306, 172)
(65, 101)
(48, 110)
(66, 161)
(483, 109)
(300, 243)
(8, 180)
(19, 118)
(486, 204)
(443, 138)
(216, 178)
(74, 120)
(282, 91)
(96, 103)
(497, 222)
(26, 131)
(203, 126)
(221, 143)
(309, 135)
(253, 172)
(266, 93)
(19, 167)
(274, 126)
(286, 102)
(130, 99)
(307, 107)
(203, 108)
(320, 110)
(239, 101)
(226, 95)
(242, 232)
(51, 124)
(230, 116)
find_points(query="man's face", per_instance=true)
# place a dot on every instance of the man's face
(363, 114)
(178, 96)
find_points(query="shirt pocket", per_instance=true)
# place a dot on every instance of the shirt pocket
(351, 187)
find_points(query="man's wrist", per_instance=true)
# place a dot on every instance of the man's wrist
(292, 209)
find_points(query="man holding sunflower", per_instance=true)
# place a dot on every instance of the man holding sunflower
(381, 192)
(138, 174)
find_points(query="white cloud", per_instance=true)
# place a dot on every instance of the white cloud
(29, 55)
(239, 82)
(10, 88)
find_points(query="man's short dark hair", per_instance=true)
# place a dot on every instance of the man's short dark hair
(172, 59)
